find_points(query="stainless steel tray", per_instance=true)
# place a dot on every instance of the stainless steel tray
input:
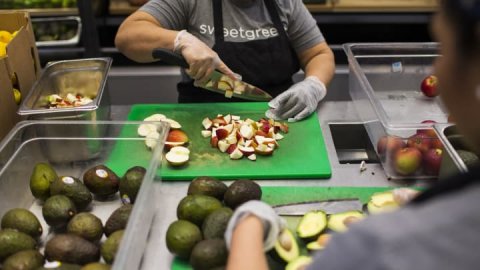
(51, 24)
(23, 148)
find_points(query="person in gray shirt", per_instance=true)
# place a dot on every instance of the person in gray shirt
(439, 228)
(264, 41)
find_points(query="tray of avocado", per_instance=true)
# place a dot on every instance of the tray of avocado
(205, 211)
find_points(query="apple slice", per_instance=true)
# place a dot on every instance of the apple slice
(252, 157)
(231, 148)
(207, 123)
(144, 129)
(229, 128)
(214, 141)
(247, 150)
(219, 121)
(173, 124)
(247, 131)
(259, 139)
(235, 117)
(231, 139)
(206, 133)
(178, 156)
(221, 133)
(278, 136)
(151, 139)
(228, 118)
(177, 135)
(155, 117)
(236, 154)
(263, 150)
(223, 146)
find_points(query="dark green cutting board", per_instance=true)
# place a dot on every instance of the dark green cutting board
(302, 153)
(283, 195)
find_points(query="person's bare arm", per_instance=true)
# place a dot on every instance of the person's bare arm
(246, 251)
(139, 34)
(318, 61)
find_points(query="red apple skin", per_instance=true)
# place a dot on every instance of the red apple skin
(420, 141)
(389, 144)
(231, 148)
(429, 86)
(221, 133)
(432, 160)
(407, 161)
(430, 131)
(177, 135)
(436, 144)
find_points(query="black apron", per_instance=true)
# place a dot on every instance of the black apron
(449, 185)
(268, 64)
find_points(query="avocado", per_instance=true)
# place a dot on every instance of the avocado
(58, 210)
(96, 266)
(205, 185)
(130, 184)
(312, 224)
(182, 236)
(101, 181)
(286, 247)
(340, 222)
(381, 202)
(242, 191)
(71, 248)
(320, 243)
(215, 224)
(22, 220)
(118, 219)
(60, 266)
(110, 247)
(42, 176)
(24, 260)
(74, 189)
(12, 241)
(87, 226)
(208, 254)
(469, 158)
(196, 208)
(300, 263)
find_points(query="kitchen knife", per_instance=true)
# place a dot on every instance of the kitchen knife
(328, 206)
(218, 82)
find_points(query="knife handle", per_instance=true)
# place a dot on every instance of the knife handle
(170, 57)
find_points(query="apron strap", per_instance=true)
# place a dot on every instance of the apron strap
(273, 10)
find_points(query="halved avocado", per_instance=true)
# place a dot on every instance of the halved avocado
(340, 222)
(382, 202)
(300, 263)
(320, 243)
(286, 247)
(312, 224)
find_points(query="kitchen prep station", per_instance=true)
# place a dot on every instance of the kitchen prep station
(100, 166)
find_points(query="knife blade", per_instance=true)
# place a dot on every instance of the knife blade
(328, 206)
(218, 82)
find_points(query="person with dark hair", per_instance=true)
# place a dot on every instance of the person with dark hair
(439, 228)
(264, 41)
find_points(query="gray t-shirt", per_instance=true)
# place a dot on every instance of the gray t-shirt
(443, 234)
(240, 24)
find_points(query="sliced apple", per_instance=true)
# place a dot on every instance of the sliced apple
(229, 128)
(178, 156)
(207, 123)
(206, 133)
(261, 133)
(231, 148)
(228, 94)
(235, 117)
(177, 135)
(219, 121)
(144, 129)
(259, 139)
(263, 150)
(173, 124)
(155, 117)
(252, 157)
(236, 154)
(221, 133)
(214, 141)
(231, 139)
(223, 146)
(247, 150)
(278, 136)
(151, 139)
(247, 131)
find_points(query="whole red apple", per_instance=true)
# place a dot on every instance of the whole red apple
(389, 144)
(430, 132)
(432, 160)
(436, 144)
(429, 86)
(420, 141)
(407, 161)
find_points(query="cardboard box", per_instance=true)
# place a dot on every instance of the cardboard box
(21, 63)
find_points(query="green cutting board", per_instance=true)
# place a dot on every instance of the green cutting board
(283, 195)
(301, 155)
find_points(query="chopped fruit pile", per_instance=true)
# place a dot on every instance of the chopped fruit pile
(240, 138)
(69, 101)
(176, 139)
(229, 85)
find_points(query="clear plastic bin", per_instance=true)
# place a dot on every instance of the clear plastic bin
(119, 148)
(385, 85)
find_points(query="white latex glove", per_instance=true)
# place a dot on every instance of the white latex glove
(272, 223)
(404, 195)
(201, 59)
(299, 101)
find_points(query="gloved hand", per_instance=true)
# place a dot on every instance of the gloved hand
(404, 195)
(272, 223)
(201, 59)
(299, 101)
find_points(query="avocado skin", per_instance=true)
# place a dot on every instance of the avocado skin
(209, 186)
(182, 236)
(12, 241)
(215, 224)
(130, 184)
(208, 254)
(58, 210)
(71, 248)
(24, 260)
(195, 208)
(42, 176)
(99, 186)
(470, 159)
(118, 219)
(110, 247)
(96, 266)
(87, 226)
(22, 220)
(242, 191)
(77, 192)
